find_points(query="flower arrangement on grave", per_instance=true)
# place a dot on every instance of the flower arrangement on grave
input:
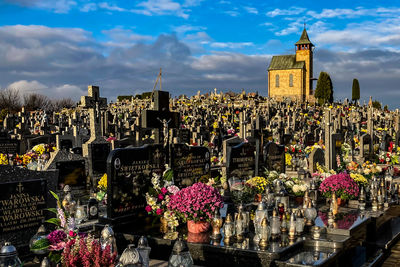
(259, 184)
(196, 205)
(346, 150)
(296, 186)
(369, 169)
(359, 179)
(87, 252)
(342, 184)
(353, 166)
(390, 158)
(57, 241)
(159, 196)
(288, 159)
(102, 186)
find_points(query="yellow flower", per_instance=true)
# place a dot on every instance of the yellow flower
(3, 159)
(102, 184)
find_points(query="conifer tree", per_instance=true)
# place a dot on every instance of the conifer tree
(355, 94)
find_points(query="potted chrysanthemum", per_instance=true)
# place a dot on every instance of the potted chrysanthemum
(196, 205)
(342, 184)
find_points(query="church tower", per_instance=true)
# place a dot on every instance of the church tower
(304, 52)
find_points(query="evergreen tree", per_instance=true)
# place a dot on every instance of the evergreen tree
(324, 89)
(355, 94)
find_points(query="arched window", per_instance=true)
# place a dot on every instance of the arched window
(291, 80)
(277, 80)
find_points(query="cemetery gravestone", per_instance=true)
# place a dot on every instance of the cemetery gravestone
(274, 157)
(336, 146)
(189, 163)
(316, 156)
(129, 172)
(24, 196)
(9, 146)
(71, 173)
(365, 146)
(242, 161)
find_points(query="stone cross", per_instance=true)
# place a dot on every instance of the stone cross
(328, 132)
(94, 103)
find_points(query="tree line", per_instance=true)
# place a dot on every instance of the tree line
(11, 101)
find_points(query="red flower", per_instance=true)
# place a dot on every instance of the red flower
(148, 208)
(160, 197)
(72, 233)
(159, 211)
(164, 190)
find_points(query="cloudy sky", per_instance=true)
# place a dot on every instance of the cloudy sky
(58, 47)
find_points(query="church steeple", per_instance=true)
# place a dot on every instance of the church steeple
(304, 43)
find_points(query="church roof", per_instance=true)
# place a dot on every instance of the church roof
(304, 39)
(285, 62)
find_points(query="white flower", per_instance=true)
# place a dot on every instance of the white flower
(295, 188)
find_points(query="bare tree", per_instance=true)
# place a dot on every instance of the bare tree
(36, 101)
(10, 100)
(59, 104)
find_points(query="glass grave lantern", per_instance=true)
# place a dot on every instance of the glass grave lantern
(180, 256)
(275, 225)
(107, 238)
(261, 213)
(264, 234)
(310, 214)
(229, 229)
(240, 225)
(130, 258)
(40, 235)
(299, 223)
(144, 251)
(9, 256)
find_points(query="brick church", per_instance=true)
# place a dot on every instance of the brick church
(291, 76)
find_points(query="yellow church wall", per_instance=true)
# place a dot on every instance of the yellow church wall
(284, 90)
(306, 56)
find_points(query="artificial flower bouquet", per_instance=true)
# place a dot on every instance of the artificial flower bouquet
(359, 179)
(259, 184)
(296, 186)
(342, 184)
(197, 202)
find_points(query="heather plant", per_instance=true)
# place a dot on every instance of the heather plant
(87, 252)
(342, 184)
(196, 203)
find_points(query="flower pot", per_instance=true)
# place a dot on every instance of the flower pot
(164, 225)
(341, 202)
(258, 198)
(197, 227)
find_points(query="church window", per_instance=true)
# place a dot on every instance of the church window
(277, 80)
(291, 80)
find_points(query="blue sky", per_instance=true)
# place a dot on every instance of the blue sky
(59, 47)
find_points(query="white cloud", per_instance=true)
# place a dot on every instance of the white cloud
(286, 12)
(161, 7)
(25, 86)
(231, 45)
(124, 37)
(88, 7)
(59, 6)
(111, 7)
(251, 10)
(232, 13)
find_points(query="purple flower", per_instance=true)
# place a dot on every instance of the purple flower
(56, 236)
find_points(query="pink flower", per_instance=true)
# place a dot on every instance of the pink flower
(160, 197)
(72, 233)
(164, 190)
(148, 208)
(159, 211)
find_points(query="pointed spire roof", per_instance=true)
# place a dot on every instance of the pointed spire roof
(304, 39)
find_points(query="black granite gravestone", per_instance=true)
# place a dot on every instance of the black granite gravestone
(274, 157)
(100, 153)
(24, 194)
(242, 161)
(189, 163)
(9, 146)
(184, 136)
(71, 173)
(129, 172)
